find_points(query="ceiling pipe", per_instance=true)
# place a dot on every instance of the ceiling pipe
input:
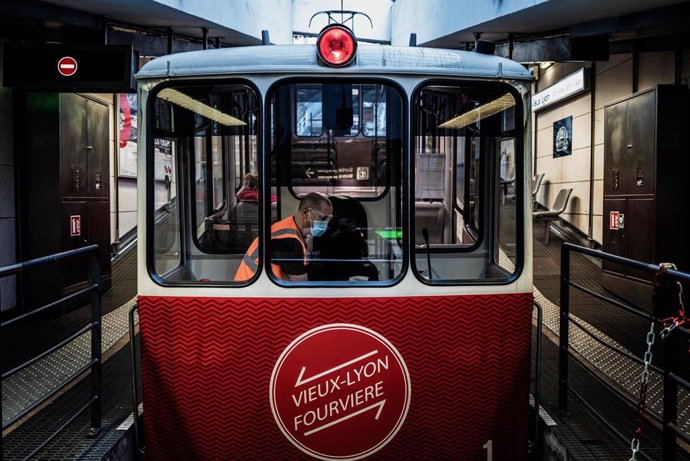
(169, 35)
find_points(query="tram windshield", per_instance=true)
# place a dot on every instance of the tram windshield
(214, 200)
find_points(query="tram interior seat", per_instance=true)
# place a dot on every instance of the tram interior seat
(246, 214)
(345, 240)
(231, 231)
(429, 215)
(445, 263)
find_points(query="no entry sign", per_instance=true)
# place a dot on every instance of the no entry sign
(340, 391)
(67, 66)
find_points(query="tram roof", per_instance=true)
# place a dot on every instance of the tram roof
(371, 59)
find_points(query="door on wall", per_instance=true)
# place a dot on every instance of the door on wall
(66, 196)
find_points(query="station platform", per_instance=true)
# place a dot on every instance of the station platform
(25, 340)
(579, 434)
(574, 435)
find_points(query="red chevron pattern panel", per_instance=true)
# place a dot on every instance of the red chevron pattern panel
(207, 365)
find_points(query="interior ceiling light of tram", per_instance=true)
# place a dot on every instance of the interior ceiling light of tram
(486, 110)
(198, 107)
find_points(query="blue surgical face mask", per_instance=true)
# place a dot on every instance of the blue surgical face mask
(318, 228)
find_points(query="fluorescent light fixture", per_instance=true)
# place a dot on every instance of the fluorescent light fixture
(198, 107)
(486, 110)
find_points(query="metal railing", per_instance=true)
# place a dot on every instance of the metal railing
(136, 379)
(94, 275)
(671, 347)
(534, 430)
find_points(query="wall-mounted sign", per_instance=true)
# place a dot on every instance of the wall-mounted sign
(67, 66)
(75, 225)
(575, 83)
(72, 68)
(563, 137)
(616, 220)
(128, 136)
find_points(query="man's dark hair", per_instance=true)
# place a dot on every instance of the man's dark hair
(314, 200)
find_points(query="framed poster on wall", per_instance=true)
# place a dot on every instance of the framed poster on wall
(563, 137)
(127, 137)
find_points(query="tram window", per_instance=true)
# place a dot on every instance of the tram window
(361, 177)
(209, 179)
(201, 231)
(464, 217)
(310, 117)
(373, 111)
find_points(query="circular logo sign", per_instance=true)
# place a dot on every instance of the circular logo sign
(340, 391)
(67, 66)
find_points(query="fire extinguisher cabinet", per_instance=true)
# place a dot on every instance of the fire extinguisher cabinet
(646, 187)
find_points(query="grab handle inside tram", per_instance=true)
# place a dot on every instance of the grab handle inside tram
(425, 235)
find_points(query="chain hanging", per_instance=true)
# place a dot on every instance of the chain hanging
(669, 324)
(642, 399)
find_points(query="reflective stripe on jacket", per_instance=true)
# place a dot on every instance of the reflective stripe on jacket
(285, 228)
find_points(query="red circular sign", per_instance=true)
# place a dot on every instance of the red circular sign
(67, 66)
(340, 391)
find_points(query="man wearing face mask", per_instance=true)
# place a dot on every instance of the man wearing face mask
(288, 247)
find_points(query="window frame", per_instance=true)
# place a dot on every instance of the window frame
(519, 188)
(404, 175)
(360, 80)
(187, 233)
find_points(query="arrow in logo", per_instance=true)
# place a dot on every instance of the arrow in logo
(345, 418)
(301, 381)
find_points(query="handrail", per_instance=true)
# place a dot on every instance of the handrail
(537, 378)
(46, 353)
(135, 379)
(48, 307)
(671, 343)
(95, 325)
(18, 267)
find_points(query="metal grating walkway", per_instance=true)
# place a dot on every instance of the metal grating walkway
(27, 386)
(585, 437)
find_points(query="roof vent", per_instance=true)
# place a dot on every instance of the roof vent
(485, 46)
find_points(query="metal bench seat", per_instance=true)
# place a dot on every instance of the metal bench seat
(554, 212)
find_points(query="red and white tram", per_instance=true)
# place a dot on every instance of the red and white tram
(408, 335)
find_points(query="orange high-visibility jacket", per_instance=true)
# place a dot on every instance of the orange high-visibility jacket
(282, 229)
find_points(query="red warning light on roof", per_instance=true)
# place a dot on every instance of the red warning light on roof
(67, 66)
(336, 45)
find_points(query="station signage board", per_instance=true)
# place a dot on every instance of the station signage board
(573, 84)
(69, 68)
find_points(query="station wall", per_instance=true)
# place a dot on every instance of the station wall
(613, 80)
(123, 211)
(8, 297)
